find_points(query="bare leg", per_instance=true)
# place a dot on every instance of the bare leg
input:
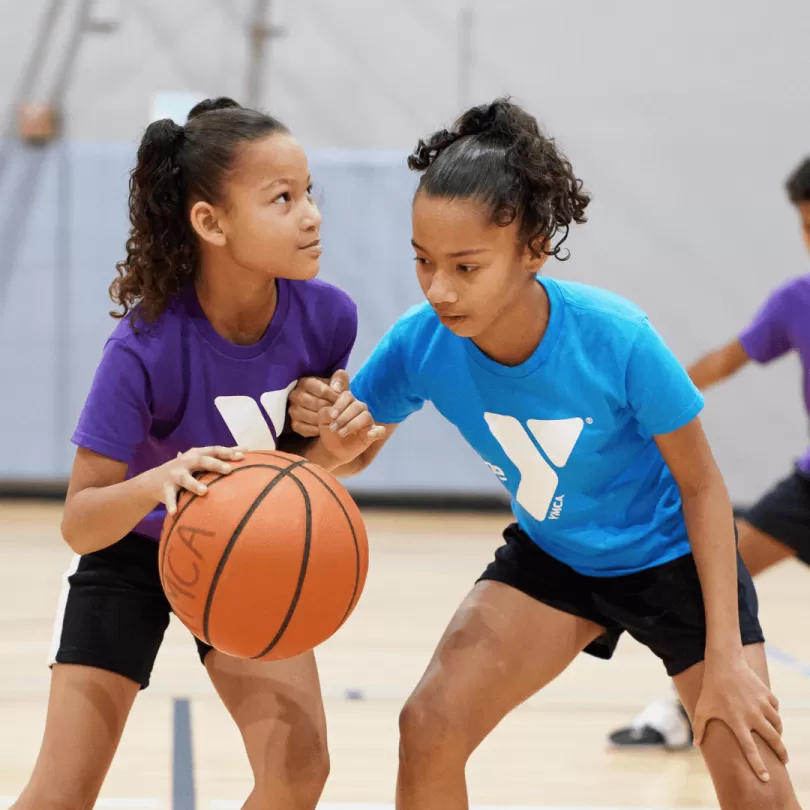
(499, 649)
(760, 551)
(737, 786)
(278, 709)
(87, 710)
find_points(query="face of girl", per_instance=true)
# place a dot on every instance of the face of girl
(471, 271)
(267, 222)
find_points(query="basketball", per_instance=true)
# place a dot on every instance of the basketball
(270, 562)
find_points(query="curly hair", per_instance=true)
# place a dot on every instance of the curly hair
(496, 154)
(175, 167)
(798, 184)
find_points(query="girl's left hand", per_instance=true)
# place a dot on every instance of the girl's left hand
(347, 428)
(733, 693)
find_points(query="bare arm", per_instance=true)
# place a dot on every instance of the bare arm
(709, 522)
(718, 365)
(102, 506)
(731, 691)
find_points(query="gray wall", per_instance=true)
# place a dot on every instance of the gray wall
(683, 119)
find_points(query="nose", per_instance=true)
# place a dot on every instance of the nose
(312, 217)
(441, 290)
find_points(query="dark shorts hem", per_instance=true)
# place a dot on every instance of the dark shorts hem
(783, 513)
(661, 607)
(87, 658)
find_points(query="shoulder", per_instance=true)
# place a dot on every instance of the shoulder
(321, 298)
(797, 288)
(419, 328)
(153, 344)
(599, 320)
(593, 303)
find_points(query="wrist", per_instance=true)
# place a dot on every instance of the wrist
(317, 453)
(723, 653)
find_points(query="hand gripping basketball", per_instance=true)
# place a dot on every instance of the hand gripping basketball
(168, 479)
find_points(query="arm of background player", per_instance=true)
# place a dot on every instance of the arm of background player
(718, 365)
(763, 340)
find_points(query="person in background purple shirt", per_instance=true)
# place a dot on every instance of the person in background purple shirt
(777, 526)
(221, 316)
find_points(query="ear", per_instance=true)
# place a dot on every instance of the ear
(205, 222)
(534, 264)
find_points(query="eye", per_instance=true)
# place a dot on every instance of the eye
(420, 260)
(309, 190)
(467, 268)
(283, 198)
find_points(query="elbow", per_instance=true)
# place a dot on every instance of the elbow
(70, 535)
(79, 541)
(709, 487)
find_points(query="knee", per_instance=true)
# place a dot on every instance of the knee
(744, 791)
(430, 732)
(298, 770)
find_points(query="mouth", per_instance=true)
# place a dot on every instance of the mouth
(313, 247)
(448, 319)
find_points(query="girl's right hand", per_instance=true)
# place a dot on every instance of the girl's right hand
(167, 480)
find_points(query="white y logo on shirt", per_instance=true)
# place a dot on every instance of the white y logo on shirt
(246, 421)
(538, 479)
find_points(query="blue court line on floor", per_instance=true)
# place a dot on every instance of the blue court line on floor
(183, 794)
(787, 660)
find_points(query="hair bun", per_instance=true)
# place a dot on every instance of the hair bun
(502, 119)
(212, 104)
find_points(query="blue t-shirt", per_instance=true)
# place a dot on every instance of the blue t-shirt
(569, 432)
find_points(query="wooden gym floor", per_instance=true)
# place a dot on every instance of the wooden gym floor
(550, 753)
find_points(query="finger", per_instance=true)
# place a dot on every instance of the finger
(305, 429)
(361, 422)
(772, 716)
(773, 739)
(304, 402)
(343, 401)
(340, 381)
(376, 433)
(225, 453)
(751, 752)
(698, 729)
(348, 415)
(170, 498)
(316, 387)
(211, 464)
(187, 481)
(773, 700)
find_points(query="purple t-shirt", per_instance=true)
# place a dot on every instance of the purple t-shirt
(780, 326)
(178, 384)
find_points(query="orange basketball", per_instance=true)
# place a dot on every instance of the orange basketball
(270, 562)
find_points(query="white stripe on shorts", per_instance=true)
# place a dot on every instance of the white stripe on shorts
(60, 609)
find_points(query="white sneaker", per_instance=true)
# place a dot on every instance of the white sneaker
(661, 725)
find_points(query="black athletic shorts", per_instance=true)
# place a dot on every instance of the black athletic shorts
(113, 613)
(784, 513)
(661, 607)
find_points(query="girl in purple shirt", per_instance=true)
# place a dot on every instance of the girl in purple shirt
(221, 315)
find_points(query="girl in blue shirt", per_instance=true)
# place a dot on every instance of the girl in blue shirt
(572, 399)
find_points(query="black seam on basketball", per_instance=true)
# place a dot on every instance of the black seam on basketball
(356, 545)
(283, 473)
(304, 565)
